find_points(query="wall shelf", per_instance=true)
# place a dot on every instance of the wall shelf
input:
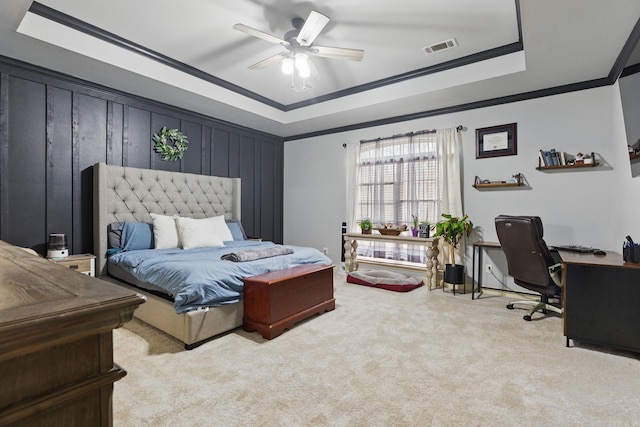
(499, 184)
(572, 166)
(590, 165)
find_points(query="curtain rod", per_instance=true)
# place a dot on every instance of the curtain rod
(419, 132)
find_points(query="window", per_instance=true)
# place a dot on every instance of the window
(398, 178)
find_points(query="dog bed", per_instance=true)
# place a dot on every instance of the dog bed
(385, 280)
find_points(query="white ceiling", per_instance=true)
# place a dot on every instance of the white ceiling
(565, 42)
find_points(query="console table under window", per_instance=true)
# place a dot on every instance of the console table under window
(430, 244)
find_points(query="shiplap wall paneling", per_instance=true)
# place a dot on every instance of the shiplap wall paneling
(247, 172)
(53, 130)
(25, 212)
(137, 134)
(90, 147)
(267, 195)
(192, 159)
(59, 148)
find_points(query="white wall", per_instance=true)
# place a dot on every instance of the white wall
(593, 207)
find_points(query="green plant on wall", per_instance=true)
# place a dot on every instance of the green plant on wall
(452, 229)
(170, 144)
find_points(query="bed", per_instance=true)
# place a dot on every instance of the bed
(132, 195)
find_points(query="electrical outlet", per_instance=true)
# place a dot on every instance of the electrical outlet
(489, 270)
(325, 250)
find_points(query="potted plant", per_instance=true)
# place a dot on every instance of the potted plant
(416, 224)
(452, 229)
(366, 226)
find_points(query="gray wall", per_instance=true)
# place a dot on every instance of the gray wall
(630, 96)
(54, 128)
(595, 207)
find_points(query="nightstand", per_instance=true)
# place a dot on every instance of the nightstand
(82, 263)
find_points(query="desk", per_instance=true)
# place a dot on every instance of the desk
(430, 243)
(601, 298)
(479, 247)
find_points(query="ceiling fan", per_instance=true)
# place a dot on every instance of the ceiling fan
(299, 44)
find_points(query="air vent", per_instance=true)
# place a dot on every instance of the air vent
(438, 47)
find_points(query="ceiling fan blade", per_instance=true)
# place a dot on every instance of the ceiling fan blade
(311, 28)
(260, 34)
(337, 52)
(270, 60)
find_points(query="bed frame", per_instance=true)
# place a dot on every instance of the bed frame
(131, 194)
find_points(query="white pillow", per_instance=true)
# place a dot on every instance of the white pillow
(202, 233)
(222, 229)
(165, 232)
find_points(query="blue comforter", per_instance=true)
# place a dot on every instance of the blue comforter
(198, 278)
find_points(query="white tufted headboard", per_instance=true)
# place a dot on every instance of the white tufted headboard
(131, 194)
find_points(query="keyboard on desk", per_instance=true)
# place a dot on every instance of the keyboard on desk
(574, 248)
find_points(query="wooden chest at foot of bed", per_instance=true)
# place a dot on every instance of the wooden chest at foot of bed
(276, 301)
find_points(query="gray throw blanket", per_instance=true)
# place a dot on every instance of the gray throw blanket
(253, 254)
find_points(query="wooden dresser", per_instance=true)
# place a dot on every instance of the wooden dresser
(56, 347)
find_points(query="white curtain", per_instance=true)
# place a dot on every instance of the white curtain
(353, 153)
(449, 155)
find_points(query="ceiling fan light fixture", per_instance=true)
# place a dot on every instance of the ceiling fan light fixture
(305, 72)
(287, 66)
(301, 61)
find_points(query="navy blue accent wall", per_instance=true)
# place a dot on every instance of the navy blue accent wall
(54, 128)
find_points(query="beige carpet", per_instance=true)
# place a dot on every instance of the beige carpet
(380, 359)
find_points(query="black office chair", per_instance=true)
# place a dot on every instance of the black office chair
(530, 262)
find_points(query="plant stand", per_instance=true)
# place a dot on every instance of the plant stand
(454, 275)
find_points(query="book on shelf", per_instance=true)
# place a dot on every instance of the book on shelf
(541, 158)
(552, 157)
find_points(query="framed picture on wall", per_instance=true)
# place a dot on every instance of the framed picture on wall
(497, 141)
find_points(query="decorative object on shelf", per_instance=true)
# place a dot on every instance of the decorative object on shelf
(419, 228)
(553, 159)
(497, 141)
(366, 226)
(164, 138)
(452, 229)
(516, 180)
(391, 229)
(423, 229)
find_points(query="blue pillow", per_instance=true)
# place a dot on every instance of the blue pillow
(236, 229)
(136, 235)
